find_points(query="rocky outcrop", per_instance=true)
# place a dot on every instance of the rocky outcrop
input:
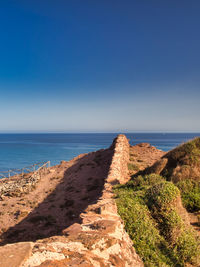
(100, 238)
(180, 163)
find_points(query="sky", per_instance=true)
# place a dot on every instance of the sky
(99, 66)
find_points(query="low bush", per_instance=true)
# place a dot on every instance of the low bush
(190, 194)
(188, 152)
(181, 239)
(145, 181)
(162, 194)
(187, 248)
(133, 167)
(160, 237)
(141, 227)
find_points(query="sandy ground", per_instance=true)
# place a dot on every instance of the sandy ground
(57, 201)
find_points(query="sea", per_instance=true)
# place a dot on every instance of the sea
(20, 150)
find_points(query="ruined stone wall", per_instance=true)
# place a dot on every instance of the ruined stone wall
(119, 168)
(98, 241)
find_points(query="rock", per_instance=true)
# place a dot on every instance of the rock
(14, 255)
(159, 166)
(74, 229)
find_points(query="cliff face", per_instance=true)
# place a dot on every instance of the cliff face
(99, 239)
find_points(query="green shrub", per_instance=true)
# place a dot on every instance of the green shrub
(133, 167)
(188, 152)
(141, 227)
(162, 194)
(170, 223)
(147, 206)
(190, 194)
(187, 248)
(146, 180)
(179, 236)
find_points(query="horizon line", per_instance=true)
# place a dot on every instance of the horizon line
(96, 132)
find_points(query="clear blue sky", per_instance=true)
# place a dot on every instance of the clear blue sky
(109, 65)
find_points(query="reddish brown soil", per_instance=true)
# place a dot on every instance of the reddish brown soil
(57, 201)
(144, 155)
(194, 221)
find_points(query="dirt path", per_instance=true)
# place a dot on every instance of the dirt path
(57, 200)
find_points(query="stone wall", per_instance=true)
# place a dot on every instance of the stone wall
(100, 240)
(119, 168)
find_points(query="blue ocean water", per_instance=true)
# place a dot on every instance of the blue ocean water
(20, 150)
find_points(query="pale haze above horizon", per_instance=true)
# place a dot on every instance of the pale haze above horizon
(99, 66)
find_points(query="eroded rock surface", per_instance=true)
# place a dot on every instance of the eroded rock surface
(15, 254)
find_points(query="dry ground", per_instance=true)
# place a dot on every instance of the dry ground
(57, 201)
(143, 155)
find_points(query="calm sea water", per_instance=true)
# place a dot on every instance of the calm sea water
(20, 150)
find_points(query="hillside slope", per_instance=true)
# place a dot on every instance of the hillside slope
(181, 163)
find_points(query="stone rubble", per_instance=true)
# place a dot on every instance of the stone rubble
(17, 186)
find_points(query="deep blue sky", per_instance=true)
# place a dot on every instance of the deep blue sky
(109, 65)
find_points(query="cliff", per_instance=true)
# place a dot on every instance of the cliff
(91, 233)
